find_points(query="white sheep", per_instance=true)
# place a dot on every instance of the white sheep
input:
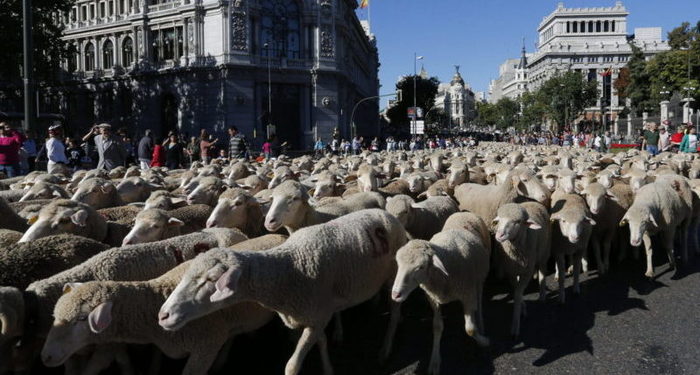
(237, 208)
(421, 220)
(155, 224)
(570, 235)
(451, 267)
(469, 222)
(318, 271)
(9, 218)
(207, 191)
(98, 193)
(67, 216)
(290, 207)
(44, 190)
(523, 232)
(135, 189)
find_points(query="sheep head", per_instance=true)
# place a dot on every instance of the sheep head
(289, 202)
(509, 222)
(230, 210)
(151, 225)
(61, 216)
(415, 259)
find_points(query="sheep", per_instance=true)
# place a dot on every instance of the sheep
(238, 170)
(290, 207)
(280, 175)
(11, 323)
(326, 185)
(164, 200)
(657, 208)
(470, 222)
(458, 174)
(9, 237)
(637, 178)
(451, 267)
(155, 224)
(12, 195)
(318, 271)
(566, 180)
(484, 201)
(67, 216)
(421, 220)
(44, 190)
(608, 206)
(549, 175)
(253, 183)
(396, 187)
(22, 208)
(24, 263)
(419, 182)
(135, 189)
(207, 191)
(98, 193)
(121, 214)
(115, 314)
(523, 232)
(9, 218)
(570, 235)
(237, 208)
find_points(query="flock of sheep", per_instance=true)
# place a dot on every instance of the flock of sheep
(187, 259)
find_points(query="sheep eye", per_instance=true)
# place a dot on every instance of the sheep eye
(239, 203)
(82, 318)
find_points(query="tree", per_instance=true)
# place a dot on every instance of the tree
(534, 109)
(683, 36)
(507, 111)
(426, 90)
(639, 88)
(438, 118)
(565, 96)
(622, 82)
(49, 49)
(486, 114)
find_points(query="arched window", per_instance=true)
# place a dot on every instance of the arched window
(568, 26)
(280, 29)
(127, 52)
(107, 55)
(89, 57)
(575, 27)
(590, 26)
(612, 26)
(583, 27)
(73, 62)
(597, 27)
(606, 26)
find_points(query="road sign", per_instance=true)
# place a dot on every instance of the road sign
(417, 127)
(411, 111)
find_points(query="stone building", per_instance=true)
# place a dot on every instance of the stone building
(592, 41)
(183, 65)
(457, 100)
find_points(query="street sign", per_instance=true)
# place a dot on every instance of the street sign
(417, 127)
(411, 111)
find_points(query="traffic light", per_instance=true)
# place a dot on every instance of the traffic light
(399, 95)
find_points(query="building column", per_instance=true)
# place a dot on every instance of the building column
(664, 110)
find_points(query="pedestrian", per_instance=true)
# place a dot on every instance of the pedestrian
(55, 149)
(267, 149)
(30, 147)
(335, 145)
(651, 139)
(75, 155)
(607, 141)
(10, 142)
(223, 157)
(374, 145)
(205, 145)
(158, 156)
(356, 145)
(193, 150)
(173, 152)
(690, 142)
(319, 146)
(237, 145)
(664, 140)
(110, 150)
(145, 150)
(677, 138)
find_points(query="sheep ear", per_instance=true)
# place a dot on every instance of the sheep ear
(101, 317)
(173, 222)
(554, 218)
(653, 221)
(137, 204)
(69, 287)
(57, 194)
(106, 188)
(437, 263)
(533, 225)
(80, 218)
(611, 196)
(177, 200)
(590, 221)
(226, 285)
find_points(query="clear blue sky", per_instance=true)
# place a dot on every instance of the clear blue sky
(480, 35)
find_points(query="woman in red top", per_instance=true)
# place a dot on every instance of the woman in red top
(677, 138)
(10, 143)
(158, 158)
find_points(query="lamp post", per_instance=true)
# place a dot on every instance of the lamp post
(415, 100)
(28, 69)
(664, 104)
(269, 92)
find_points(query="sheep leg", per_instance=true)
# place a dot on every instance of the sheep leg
(598, 256)
(435, 359)
(667, 240)
(650, 251)
(480, 307)
(395, 315)
(518, 305)
(124, 361)
(684, 241)
(606, 251)
(337, 329)
(325, 358)
(578, 262)
(471, 328)
(542, 280)
(307, 340)
(560, 273)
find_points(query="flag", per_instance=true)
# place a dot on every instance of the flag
(364, 4)
(607, 72)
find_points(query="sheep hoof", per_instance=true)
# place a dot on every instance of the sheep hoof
(434, 367)
(649, 274)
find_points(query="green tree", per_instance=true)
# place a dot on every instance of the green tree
(565, 96)
(507, 111)
(683, 36)
(486, 114)
(639, 88)
(534, 109)
(426, 90)
(49, 49)
(438, 118)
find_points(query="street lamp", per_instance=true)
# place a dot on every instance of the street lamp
(415, 100)
(269, 92)
(664, 104)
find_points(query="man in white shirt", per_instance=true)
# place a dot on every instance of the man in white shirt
(55, 149)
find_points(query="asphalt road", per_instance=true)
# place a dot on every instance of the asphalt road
(622, 323)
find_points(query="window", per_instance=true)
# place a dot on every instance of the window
(591, 75)
(593, 59)
(590, 26)
(582, 27)
(575, 27)
(622, 59)
(111, 9)
(608, 58)
(122, 6)
(102, 10)
(72, 62)
(107, 55)
(606, 26)
(127, 52)
(577, 59)
(89, 57)
(280, 28)
(73, 15)
(83, 13)
(92, 11)
(568, 27)
(597, 27)
(167, 44)
(612, 26)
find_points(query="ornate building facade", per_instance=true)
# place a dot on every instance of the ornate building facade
(185, 65)
(457, 100)
(591, 41)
